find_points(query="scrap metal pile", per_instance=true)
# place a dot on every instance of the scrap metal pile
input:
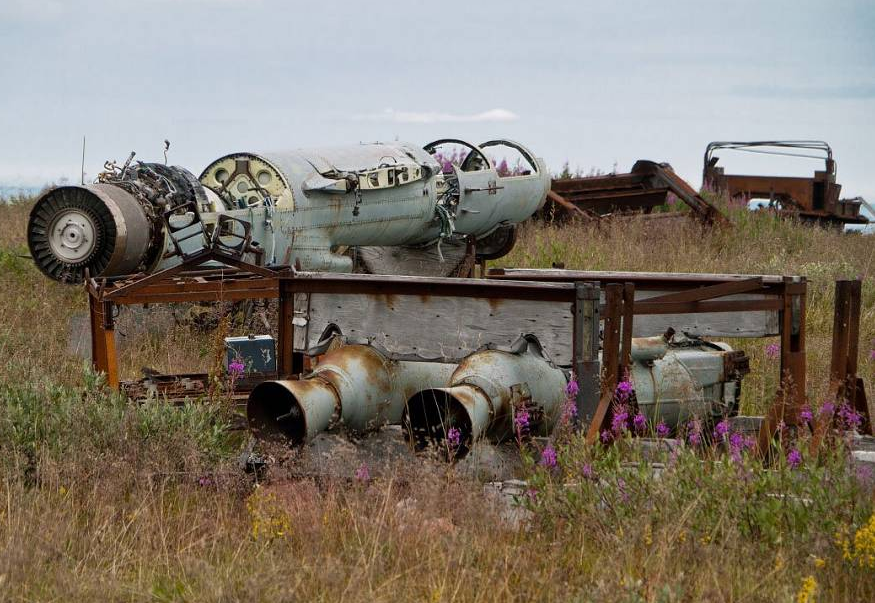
(647, 186)
(455, 362)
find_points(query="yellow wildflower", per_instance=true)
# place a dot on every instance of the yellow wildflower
(267, 517)
(819, 563)
(864, 544)
(806, 591)
(779, 562)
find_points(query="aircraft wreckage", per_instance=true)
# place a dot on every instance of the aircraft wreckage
(447, 359)
(318, 209)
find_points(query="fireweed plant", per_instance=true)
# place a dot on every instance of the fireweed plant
(707, 487)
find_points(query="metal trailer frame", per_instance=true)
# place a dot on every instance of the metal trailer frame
(646, 186)
(688, 294)
(699, 293)
(814, 199)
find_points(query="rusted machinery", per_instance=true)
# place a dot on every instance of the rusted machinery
(645, 187)
(356, 388)
(330, 209)
(814, 199)
(466, 376)
(674, 381)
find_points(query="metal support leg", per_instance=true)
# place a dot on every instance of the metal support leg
(586, 350)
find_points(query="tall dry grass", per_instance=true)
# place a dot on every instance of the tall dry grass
(107, 501)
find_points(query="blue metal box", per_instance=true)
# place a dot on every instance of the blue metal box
(257, 352)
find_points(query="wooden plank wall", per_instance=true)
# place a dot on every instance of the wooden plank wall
(434, 327)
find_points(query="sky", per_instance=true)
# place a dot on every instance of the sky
(597, 84)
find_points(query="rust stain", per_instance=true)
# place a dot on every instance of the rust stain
(357, 360)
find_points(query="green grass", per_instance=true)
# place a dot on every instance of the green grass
(103, 500)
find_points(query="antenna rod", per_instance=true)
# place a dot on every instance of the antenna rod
(82, 172)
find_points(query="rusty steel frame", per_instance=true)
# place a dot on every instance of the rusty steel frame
(845, 384)
(191, 282)
(687, 294)
(694, 293)
(646, 186)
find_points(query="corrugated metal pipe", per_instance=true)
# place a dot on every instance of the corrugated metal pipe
(354, 385)
(485, 393)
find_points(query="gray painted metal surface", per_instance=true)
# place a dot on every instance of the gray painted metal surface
(304, 207)
(482, 397)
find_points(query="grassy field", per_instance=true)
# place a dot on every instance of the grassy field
(107, 501)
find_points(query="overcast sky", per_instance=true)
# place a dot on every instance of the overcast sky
(597, 84)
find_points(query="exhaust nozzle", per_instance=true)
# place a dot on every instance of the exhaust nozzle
(485, 391)
(292, 411)
(355, 385)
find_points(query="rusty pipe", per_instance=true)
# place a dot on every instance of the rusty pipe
(355, 386)
(485, 392)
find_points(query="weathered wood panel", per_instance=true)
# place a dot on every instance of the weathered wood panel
(407, 326)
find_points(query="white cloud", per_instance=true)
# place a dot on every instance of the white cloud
(433, 117)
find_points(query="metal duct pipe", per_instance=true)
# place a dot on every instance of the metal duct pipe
(354, 385)
(484, 393)
(678, 380)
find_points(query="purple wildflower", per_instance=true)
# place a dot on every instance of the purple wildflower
(587, 471)
(738, 443)
(694, 433)
(620, 420)
(806, 415)
(639, 422)
(849, 417)
(521, 420)
(569, 410)
(606, 436)
(865, 475)
(205, 481)
(773, 350)
(872, 354)
(236, 367)
(736, 440)
(454, 437)
(624, 390)
(721, 429)
(794, 458)
(828, 408)
(572, 388)
(363, 474)
(548, 457)
(662, 430)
